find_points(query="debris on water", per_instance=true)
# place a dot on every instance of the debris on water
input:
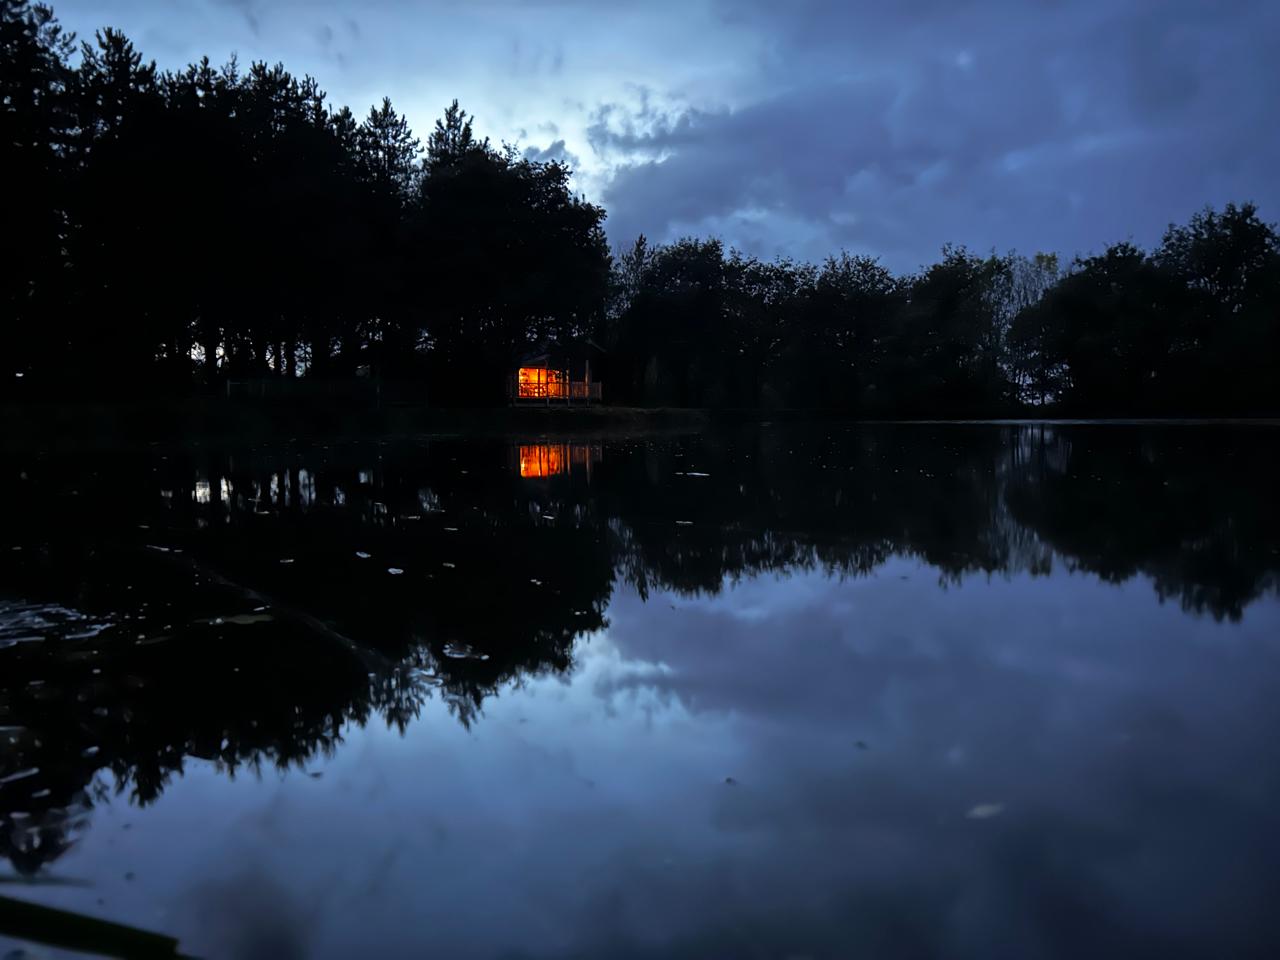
(695, 473)
(259, 609)
(461, 651)
(985, 811)
(362, 555)
(129, 875)
(861, 745)
(90, 752)
(158, 548)
(451, 566)
(316, 774)
(729, 781)
(394, 571)
(450, 529)
(41, 794)
(287, 560)
(240, 619)
(535, 581)
(20, 775)
(684, 523)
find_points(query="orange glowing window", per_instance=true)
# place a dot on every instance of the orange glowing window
(539, 382)
(543, 459)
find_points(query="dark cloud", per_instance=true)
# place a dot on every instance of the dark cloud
(897, 127)
(555, 152)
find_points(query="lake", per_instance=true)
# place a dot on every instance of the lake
(786, 692)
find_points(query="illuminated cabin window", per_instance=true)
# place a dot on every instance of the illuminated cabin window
(543, 459)
(540, 382)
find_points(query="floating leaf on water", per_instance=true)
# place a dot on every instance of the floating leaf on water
(394, 571)
(362, 555)
(985, 811)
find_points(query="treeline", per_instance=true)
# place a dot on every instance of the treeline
(1191, 328)
(166, 231)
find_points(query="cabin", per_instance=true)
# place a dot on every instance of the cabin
(558, 374)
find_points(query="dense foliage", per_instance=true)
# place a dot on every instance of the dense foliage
(167, 231)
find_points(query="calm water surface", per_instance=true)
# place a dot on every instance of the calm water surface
(913, 691)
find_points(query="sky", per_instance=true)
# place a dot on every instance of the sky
(805, 127)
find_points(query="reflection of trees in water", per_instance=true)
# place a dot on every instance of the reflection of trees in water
(499, 575)
(1193, 508)
(1188, 507)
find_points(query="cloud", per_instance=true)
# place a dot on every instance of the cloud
(898, 128)
(554, 153)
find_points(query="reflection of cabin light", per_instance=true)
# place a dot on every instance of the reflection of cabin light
(202, 491)
(366, 476)
(543, 459)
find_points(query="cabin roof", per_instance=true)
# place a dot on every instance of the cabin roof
(549, 351)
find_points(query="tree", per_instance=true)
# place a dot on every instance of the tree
(36, 127)
(509, 254)
(1228, 348)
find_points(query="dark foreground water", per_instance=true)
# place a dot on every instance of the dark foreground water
(913, 691)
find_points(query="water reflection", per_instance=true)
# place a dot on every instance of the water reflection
(249, 607)
(538, 460)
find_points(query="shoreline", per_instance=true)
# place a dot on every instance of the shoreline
(72, 425)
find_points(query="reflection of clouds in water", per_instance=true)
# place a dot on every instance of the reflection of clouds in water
(1072, 728)
(250, 915)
